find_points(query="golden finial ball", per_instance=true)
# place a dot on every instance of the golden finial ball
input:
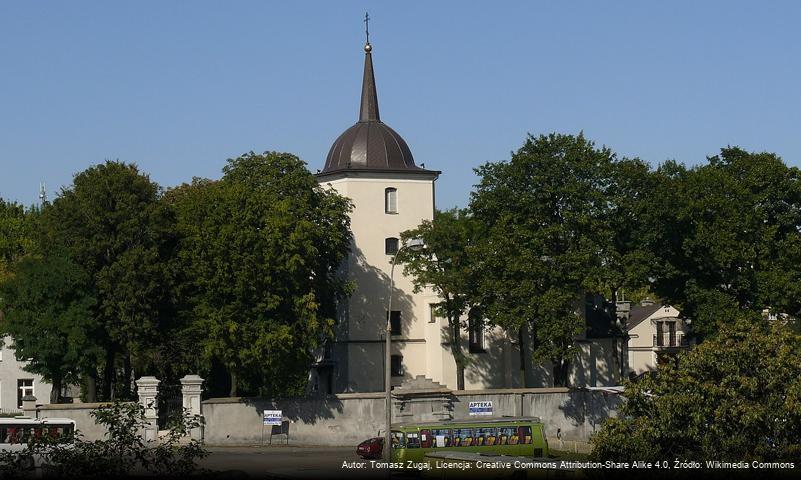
(367, 47)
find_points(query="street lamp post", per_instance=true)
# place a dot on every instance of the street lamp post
(413, 244)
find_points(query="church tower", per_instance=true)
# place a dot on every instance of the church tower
(371, 164)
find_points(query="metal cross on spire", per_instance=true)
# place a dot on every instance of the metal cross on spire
(367, 27)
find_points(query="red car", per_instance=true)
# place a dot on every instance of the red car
(370, 448)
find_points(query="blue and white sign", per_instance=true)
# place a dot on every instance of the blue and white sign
(273, 417)
(480, 408)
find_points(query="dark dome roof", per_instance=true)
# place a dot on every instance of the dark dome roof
(370, 144)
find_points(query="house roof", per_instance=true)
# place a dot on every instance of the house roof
(640, 313)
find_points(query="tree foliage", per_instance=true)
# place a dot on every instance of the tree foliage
(545, 212)
(729, 237)
(48, 305)
(445, 265)
(122, 453)
(260, 251)
(735, 397)
(16, 235)
(111, 223)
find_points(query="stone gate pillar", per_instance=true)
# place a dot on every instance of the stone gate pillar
(148, 388)
(191, 388)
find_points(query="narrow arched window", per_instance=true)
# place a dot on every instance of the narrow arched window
(390, 200)
(391, 245)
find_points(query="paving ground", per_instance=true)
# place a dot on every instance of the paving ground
(286, 462)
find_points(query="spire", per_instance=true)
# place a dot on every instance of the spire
(369, 107)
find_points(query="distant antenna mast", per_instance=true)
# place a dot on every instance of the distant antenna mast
(42, 193)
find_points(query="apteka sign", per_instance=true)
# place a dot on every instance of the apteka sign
(480, 408)
(273, 417)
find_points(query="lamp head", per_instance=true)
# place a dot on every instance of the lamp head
(415, 244)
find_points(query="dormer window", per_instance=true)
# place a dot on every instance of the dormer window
(390, 200)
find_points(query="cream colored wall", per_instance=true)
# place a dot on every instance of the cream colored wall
(642, 356)
(359, 352)
(369, 267)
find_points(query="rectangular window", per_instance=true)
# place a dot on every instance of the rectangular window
(397, 365)
(24, 388)
(391, 245)
(412, 440)
(441, 437)
(432, 313)
(525, 435)
(486, 437)
(463, 437)
(476, 335)
(390, 200)
(398, 440)
(395, 322)
(506, 434)
(672, 333)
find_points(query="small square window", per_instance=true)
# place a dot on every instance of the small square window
(397, 365)
(391, 245)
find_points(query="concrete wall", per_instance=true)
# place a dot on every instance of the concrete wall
(11, 370)
(343, 419)
(347, 419)
(80, 412)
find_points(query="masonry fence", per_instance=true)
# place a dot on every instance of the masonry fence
(570, 416)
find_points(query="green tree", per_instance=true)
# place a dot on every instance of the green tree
(546, 217)
(111, 223)
(728, 238)
(48, 307)
(445, 265)
(260, 250)
(16, 235)
(735, 397)
(627, 257)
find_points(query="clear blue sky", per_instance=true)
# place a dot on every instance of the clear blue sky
(178, 87)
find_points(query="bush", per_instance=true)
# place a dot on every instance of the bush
(736, 397)
(122, 453)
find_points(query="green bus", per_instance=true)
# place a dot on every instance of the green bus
(517, 436)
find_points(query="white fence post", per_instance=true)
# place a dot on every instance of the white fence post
(148, 389)
(191, 388)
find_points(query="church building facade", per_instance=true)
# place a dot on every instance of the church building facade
(372, 165)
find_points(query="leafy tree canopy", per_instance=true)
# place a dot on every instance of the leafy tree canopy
(16, 235)
(48, 311)
(261, 250)
(445, 265)
(735, 397)
(729, 237)
(545, 213)
(111, 223)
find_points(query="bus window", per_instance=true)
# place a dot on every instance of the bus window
(462, 437)
(505, 435)
(425, 438)
(442, 437)
(525, 435)
(398, 440)
(412, 440)
(485, 437)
